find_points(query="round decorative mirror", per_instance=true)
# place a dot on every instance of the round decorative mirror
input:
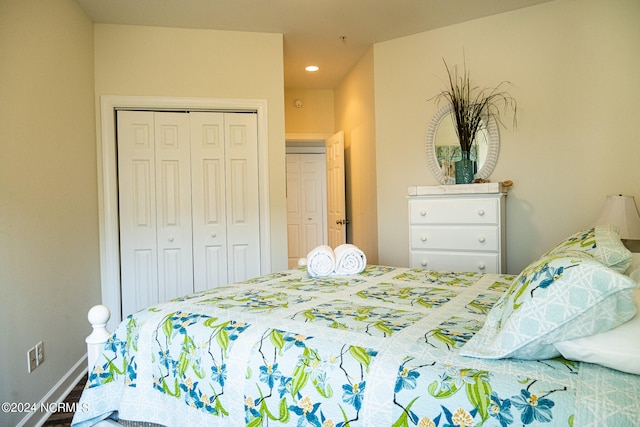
(443, 148)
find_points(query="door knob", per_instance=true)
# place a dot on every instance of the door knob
(342, 221)
(171, 239)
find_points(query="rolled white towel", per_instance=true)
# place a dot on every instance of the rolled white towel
(349, 260)
(321, 261)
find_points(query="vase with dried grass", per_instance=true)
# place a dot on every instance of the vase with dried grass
(471, 107)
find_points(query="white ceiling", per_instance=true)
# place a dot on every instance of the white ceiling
(312, 29)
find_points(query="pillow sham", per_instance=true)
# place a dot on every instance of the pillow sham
(602, 242)
(556, 298)
(618, 348)
(634, 268)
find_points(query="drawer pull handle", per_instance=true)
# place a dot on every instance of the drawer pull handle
(423, 263)
(482, 239)
(481, 266)
(423, 238)
(423, 213)
(213, 235)
(481, 212)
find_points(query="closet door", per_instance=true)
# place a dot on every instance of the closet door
(189, 203)
(154, 181)
(137, 210)
(208, 200)
(313, 197)
(242, 196)
(295, 244)
(173, 205)
(306, 204)
(225, 198)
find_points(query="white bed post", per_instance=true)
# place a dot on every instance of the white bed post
(98, 316)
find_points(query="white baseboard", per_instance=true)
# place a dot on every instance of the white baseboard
(56, 394)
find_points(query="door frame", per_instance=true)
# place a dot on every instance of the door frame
(108, 180)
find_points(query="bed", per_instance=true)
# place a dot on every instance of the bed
(385, 347)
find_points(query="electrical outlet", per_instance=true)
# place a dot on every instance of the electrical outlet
(31, 360)
(39, 353)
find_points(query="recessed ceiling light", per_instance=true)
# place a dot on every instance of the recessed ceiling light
(312, 68)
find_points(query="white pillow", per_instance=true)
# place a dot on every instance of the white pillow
(618, 348)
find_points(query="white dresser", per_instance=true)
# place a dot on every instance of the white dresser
(458, 227)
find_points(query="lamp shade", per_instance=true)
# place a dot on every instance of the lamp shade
(621, 211)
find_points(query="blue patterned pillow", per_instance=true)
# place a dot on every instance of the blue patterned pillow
(602, 242)
(556, 298)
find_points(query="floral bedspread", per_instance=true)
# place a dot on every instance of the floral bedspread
(375, 349)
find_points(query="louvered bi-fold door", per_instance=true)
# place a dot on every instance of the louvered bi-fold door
(189, 204)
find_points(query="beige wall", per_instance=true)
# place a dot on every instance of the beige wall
(355, 115)
(173, 62)
(316, 116)
(49, 260)
(574, 68)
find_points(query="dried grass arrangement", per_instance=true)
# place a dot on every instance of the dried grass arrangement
(472, 105)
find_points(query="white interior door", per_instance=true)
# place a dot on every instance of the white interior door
(306, 204)
(137, 206)
(208, 200)
(242, 196)
(295, 244)
(173, 205)
(336, 216)
(155, 207)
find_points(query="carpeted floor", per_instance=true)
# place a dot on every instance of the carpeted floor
(63, 419)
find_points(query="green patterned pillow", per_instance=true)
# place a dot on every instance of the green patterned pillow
(602, 242)
(556, 298)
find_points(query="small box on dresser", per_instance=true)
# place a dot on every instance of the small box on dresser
(458, 227)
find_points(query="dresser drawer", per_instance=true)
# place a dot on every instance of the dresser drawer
(464, 238)
(458, 262)
(450, 211)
